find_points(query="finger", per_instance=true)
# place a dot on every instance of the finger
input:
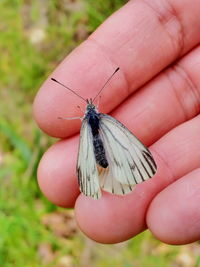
(114, 219)
(174, 214)
(170, 99)
(134, 38)
(176, 154)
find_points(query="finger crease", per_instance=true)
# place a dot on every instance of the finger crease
(170, 176)
(169, 19)
(188, 96)
(191, 86)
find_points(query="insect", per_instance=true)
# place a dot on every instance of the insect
(110, 157)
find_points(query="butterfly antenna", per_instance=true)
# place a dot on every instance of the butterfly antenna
(68, 89)
(105, 84)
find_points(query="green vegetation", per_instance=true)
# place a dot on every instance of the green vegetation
(35, 36)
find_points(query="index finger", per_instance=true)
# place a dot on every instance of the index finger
(141, 38)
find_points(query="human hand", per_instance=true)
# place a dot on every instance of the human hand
(143, 38)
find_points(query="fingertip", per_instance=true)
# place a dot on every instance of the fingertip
(51, 103)
(56, 175)
(99, 219)
(174, 214)
(113, 218)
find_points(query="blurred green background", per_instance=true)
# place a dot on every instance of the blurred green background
(34, 37)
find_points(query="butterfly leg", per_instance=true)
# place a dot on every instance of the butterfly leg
(81, 109)
(72, 118)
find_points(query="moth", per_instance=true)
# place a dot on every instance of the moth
(110, 157)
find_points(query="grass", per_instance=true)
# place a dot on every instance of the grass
(35, 36)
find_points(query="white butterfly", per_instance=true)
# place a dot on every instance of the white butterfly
(110, 156)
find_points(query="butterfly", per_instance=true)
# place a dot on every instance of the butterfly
(110, 157)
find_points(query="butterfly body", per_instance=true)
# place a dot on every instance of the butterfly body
(93, 117)
(110, 156)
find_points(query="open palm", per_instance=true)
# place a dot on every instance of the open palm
(157, 96)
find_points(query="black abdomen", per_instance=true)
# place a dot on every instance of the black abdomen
(99, 151)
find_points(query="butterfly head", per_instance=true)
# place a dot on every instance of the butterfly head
(90, 105)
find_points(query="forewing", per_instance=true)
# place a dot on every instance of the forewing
(130, 162)
(86, 165)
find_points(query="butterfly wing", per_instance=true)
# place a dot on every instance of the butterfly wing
(130, 162)
(87, 172)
